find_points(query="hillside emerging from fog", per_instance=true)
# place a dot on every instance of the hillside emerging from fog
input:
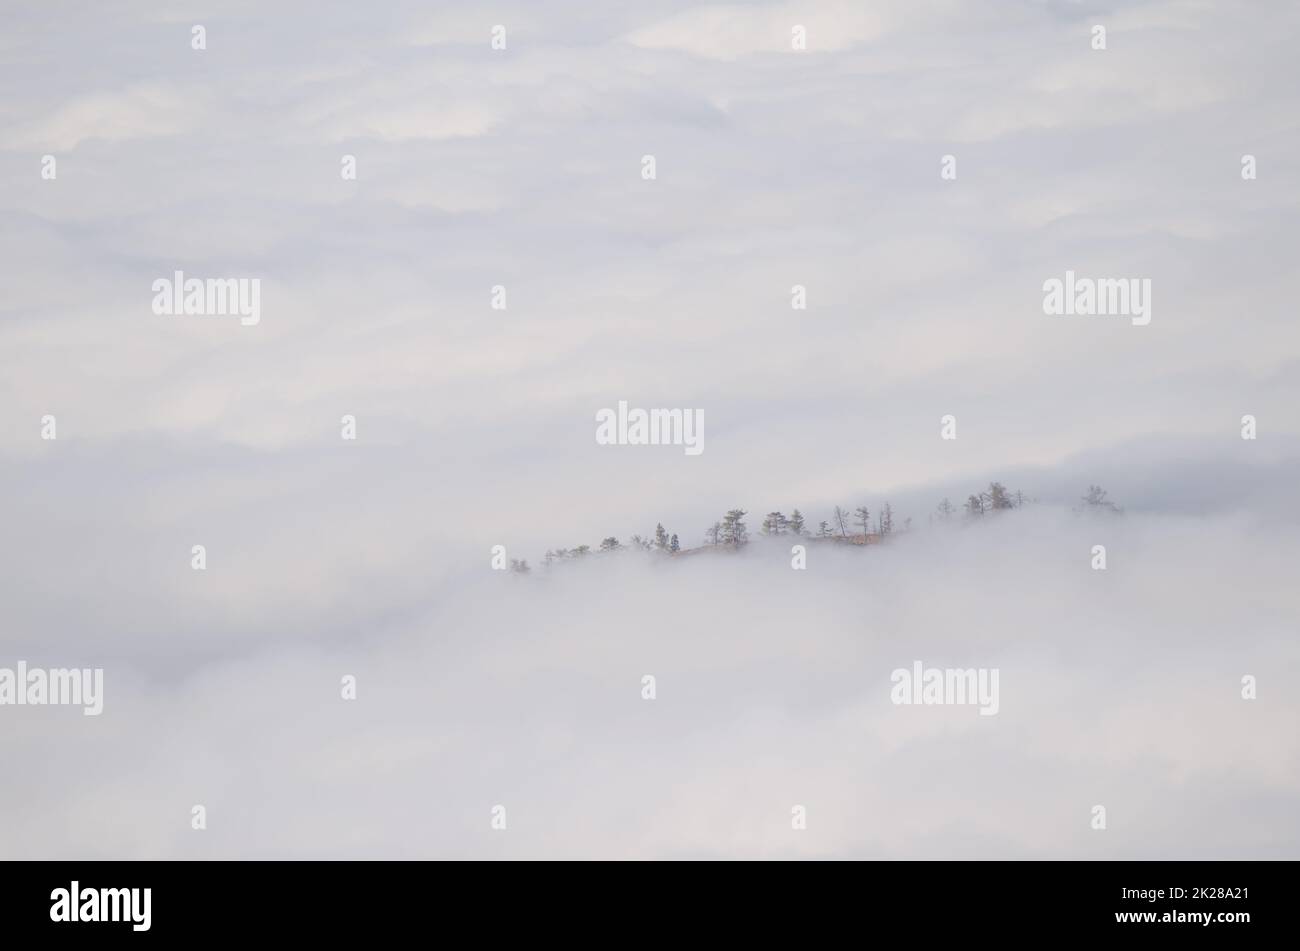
(845, 527)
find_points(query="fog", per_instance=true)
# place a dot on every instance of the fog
(1119, 688)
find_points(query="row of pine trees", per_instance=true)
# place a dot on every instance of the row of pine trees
(731, 530)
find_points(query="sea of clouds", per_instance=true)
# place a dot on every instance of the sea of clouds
(476, 427)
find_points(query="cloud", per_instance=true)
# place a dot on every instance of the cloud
(139, 111)
(729, 31)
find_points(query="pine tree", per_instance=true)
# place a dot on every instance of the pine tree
(796, 522)
(974, 505)
(674, 545)
(886, 520)
(945, 510)
(1096, 501)
(998, 498)
(734, 532)
(610, 544)
(864, 519)
(661, 537)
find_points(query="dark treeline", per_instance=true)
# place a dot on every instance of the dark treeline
(856, 526)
